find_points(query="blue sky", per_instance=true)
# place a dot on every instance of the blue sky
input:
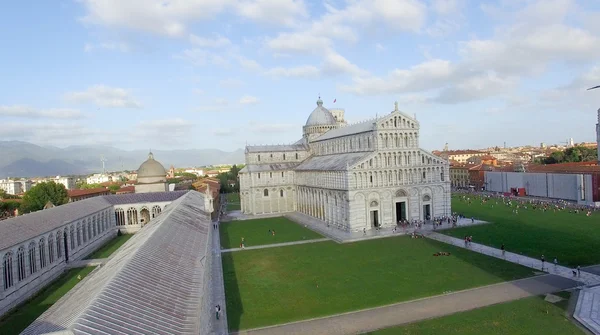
(169, 74)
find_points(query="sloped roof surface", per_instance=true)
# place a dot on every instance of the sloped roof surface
(269, 167)
(352, 129)
(276, 148)
(152, 285)
(338, 162)
(118, 199)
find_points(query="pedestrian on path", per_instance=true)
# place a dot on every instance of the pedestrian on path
(555, 263)
(543, 262)
(578, 271)
(502, 248)
(364, 231)
(217, 311)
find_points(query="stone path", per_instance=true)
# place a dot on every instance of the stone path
(219, 327)
(421, 309)
(86, 262)
(276, 245)
(584, 277)
(346, 237)
(587, 310)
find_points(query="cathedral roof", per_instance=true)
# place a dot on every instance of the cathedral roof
(276, 148)
(151, 168)
(268, 167)
(338, 162)
(320, 116)
(352, 129)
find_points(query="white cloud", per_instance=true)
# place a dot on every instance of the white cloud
(30, 112)
(165, 17)
(231, 83)
(104, 96)
(217, 42)
(55, 133)
(112, 46)
(446, 7)
(442, 28)
(299, 42)
(273, 12)
(201, 57)
(170, 131)
(335, 63)
(249, 100)
(425, 76)
(306, 71)
(249, 64)
(475, 88)
(219, 104)
(379, 47)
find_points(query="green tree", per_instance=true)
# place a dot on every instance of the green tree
(114, 188)
(187, 175)
(36, 198)
(571, 155)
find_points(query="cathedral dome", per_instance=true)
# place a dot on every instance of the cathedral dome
(320, 116)
(151, 169)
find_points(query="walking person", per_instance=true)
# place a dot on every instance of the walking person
(543, 259)
(555, 263)
(502, 248)
(578, 271)
(217, 310)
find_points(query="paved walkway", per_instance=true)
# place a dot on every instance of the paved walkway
(585, 277)
(346, 237)
(219, 327)
(276, 245)
(587, 310)
(86, 262)
(417, 310)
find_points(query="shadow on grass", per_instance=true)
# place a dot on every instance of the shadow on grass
(233, 300)
(224, 236)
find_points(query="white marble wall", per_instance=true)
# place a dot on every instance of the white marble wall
(101, 229)
(132, 218)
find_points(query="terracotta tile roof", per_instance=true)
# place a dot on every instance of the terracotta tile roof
(126, 189)
(79, 193)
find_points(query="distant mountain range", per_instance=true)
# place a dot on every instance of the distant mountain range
(23, 159)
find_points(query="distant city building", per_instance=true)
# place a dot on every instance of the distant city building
(198, 172)
(460, 156)
(151, 177)
(68, 182)
(98, 178)
(26, 185)
(459, 175)
(78, 195)
(11, 186)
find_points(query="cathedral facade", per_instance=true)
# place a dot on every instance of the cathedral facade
(353, 177)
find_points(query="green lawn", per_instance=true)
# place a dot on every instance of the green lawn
(233, 202)
(109, 247)
(277, 285)
(23, 315)
(572, 238)
(256, 232)
(529, 316)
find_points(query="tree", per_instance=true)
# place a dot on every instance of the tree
(114, 188)
(574, 154)
(39, 195)
(187, 175)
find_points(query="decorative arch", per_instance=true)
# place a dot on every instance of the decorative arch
(32, 260)
(155, 211)
(42, 252)
(145, 215)
(401, 193)
(7, 269)
(426, 197)
(132, 216)
(265, 192)
(59, 245)
(50, 248)
(120, 216)
(21, 272)
(374, 203)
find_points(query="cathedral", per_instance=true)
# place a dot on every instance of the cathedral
(353, 177)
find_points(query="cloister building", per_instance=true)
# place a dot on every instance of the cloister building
(36, 247)
(353, 177)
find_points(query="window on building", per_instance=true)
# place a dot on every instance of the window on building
(281, 193)
(7, 267)
(42, 249)
(58, 244)
(270, 174)
(282, 174)
(259, 175)
(266, 193)
(442, 176)
(72, 236)
(259, 158)
(296, 155)
(271, 155)
(371, 178)
(423, 175)
(423, 159)
(50, 249)
(283, 156)
(32, 264)
(21, 273)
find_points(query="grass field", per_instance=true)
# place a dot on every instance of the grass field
(21, 317)
(272, 286)
(256, 232)
(233, 202)
(529, 316)
(109, 247)
(572, 238)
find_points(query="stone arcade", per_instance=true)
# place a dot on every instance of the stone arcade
(365, 175)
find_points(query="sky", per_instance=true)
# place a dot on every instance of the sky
(178, 74)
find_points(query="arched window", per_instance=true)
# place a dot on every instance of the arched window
(72, 237)
(296, 155)
(259, 158)
(7, 266)
(270, 174)
(42, 249)
(94, 226)
(79, 233)
(59, 245)
(281, 174)
(132, 216)
(50, 249)
(89, 229)
(120, 216)
(283, 156)
(155, 211)
(281, 193)
(21, 273)
(32, 260)
(83, 233)
(266, 193)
